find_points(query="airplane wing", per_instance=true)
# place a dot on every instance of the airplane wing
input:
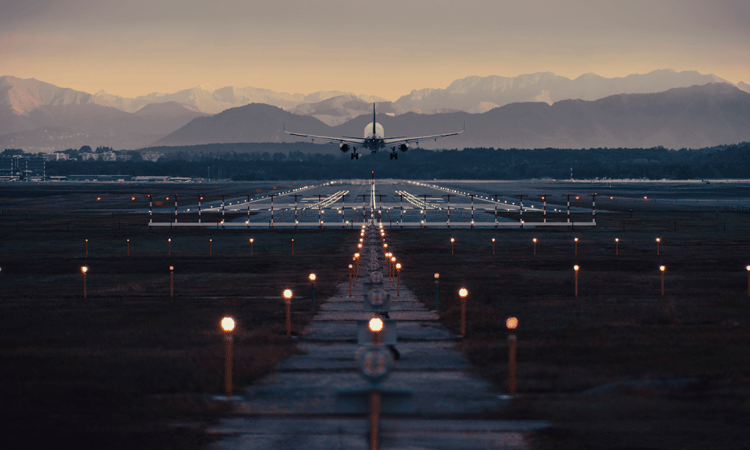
(358, 141)
(396, 140)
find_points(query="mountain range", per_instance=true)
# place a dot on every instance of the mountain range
(211, 101)
(39, 116)
(692, 117)
(42, 117)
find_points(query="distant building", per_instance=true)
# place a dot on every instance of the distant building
(149, 156)
(108, 156)
(22, 167)
(103, 178)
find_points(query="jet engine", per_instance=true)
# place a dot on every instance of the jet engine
(403, 147)
(344, 147)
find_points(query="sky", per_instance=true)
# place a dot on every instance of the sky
(376, 47)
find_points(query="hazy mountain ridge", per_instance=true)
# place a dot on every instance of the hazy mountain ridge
(28, 105)
(213, 101)
(468, 93)
(337, 110)
(693, 117)
(56, 127)
(21, 96)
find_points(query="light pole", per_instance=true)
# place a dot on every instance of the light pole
(251, 246)
(662, 269)
(544, 199)
(748, 280)
(128, 247)
(472, 210)
(350, 279)
(617, 246)
(376, 326)
(84, 269)
(576, 268)
(356, 265)
(493, 246)
(288, 303)
(534, 245)
(496, 196)
(169, 248)
(312, 289)
(511, 323)
(520, 208)
(398, 274)
(227, 324)
(210, 247)
(292, 247)
(576, 244)
(437, 291)
(463, 293)
(452, 241)
(393, 268)
(222, 211)
(87, 247)
(448, 222)
(171, 281)
(658, 241)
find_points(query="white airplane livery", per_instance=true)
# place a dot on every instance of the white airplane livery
(374, 139)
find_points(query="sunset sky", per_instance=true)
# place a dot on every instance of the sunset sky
(383, 47)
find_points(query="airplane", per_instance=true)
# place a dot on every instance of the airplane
(374, 139)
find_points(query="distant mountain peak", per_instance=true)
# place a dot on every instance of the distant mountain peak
(475, 93)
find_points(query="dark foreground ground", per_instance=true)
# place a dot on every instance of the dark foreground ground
(618, 367)
(129, 367)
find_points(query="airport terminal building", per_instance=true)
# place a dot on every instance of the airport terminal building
(22, 168)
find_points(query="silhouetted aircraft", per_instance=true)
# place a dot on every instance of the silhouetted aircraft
(374, 139)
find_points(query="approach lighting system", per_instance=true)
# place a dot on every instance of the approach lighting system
(376, 324)
(227, 324)
(511, 323)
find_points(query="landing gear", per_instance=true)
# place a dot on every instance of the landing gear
(394, 155)
(355, 155)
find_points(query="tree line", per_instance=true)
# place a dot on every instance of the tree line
(321, 162)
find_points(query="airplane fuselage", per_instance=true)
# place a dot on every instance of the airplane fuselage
(374, 137)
